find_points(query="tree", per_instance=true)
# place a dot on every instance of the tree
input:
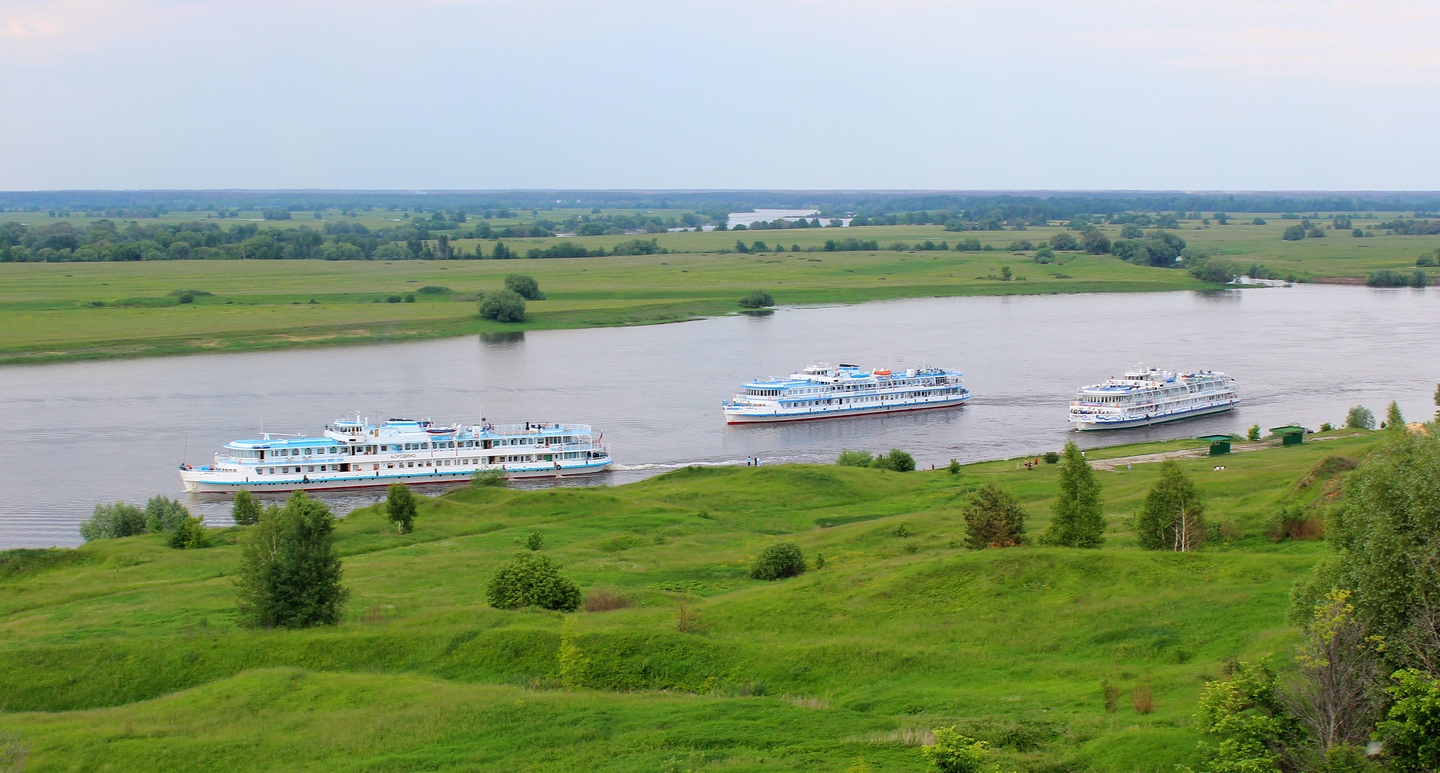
(189, 534)
(955, 753)
(532, 579)
(535, 540)
(1360, 417)
(1096, 242)
(289, 574)
(503, 306)
(1131, 231)
(400, 507)
(524, 286)
(757, 299)
(1394, 420)
(113, 522)
(777, 561)
(850, 458)
(993, 519)
(246, 510)
(1173, 517)
(163, 514)
(1063, 241)
(1332, 698)
(1044, 255)
(501, 252)
(1294, 233)
(1253, 433)
(1077, 520)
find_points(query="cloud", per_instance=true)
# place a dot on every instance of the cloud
(38, 32)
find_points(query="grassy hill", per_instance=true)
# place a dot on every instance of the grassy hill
(123, 654)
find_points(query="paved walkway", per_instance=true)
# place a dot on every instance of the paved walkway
(1189, 453)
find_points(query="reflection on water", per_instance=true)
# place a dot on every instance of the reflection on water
(82, 433)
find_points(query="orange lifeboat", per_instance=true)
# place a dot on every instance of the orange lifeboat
(881, 371)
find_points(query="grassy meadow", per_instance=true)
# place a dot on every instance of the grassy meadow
(63, 311)
(124, 654)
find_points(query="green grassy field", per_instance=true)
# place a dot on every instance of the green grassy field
(87, 310)
(124, 655)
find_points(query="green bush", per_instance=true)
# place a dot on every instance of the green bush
(532, 580)
(524, 286)
(777, 561)
(483, 478)
(400, 507)
(850, 458)
(163, 514)
(246, 510)
(1051, 457)
(896, 460)
(955, 753)
(503, 306)
(189, 534)
(757, 299)
(535, 541)
(954, 467)
(993, 519)
(1360, 417)
(113, 522)
(1253, 433)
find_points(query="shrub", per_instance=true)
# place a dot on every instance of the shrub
(1253, 433)
(1064, 241)
(757, 299)
(1326, 427)
(532, 580)
(189, 534)
(1142, 698)
(535, 541)
(1292, 522)
(955, 753)
(163, 514)
(503, 306)
(606, 600)
(113, 522)
(246, 510)
(524, 286)
(896, 460)
(850, 458)
(954, 467)
(777, 561)
(1388, 278)
(993, 519)
(1051, 457)
(434, 290)
(485, 478)
(1044, 255)
(1360, 417)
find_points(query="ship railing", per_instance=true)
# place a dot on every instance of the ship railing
(532, 428)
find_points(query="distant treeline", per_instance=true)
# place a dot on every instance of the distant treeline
(1028, 205)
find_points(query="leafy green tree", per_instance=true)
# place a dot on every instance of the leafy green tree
(757, 299)
(1251, 728)
(189, 534)
(113, 522)
(1294, 233)
(1253, 433)
(532, 580)
(1063, 241)
(400, 507)
(777, 561)
(535, 541)
(1394, 420)
(1131, 231)
(1360, 417)
(501, 252)
(524, 286)
(1095, 242)
(1173, 517)
(850, 458)
(896, 460)
(246, 510)
(163, 514)
(993, 518)
(503, 306)
(955, 753)
(1077, 520)
(954, 467)
(289, 574)
(1411, 730)
(1045, 255)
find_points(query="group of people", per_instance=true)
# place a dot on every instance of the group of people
(752, 461)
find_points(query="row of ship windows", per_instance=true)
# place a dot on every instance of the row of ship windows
(393, 465)
(279, 452)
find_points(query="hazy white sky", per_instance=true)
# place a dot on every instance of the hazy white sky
(952, 94)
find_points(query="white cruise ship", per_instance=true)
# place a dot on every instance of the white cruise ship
(826, 392)
(1148, 396)
(353, 453)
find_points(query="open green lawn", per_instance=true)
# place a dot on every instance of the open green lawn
(124, 655)
(87, 310)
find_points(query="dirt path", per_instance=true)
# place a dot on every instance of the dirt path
(1188, 453)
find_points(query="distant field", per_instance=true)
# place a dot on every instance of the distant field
(79, 310)
(126, 651)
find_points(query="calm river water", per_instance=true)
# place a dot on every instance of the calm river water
(83, 433)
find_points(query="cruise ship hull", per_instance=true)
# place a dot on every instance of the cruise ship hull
(203, 481)
(1147, 421)
(758, 417)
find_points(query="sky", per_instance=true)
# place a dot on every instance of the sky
(656, 94)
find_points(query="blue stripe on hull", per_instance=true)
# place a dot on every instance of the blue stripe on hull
(1091, 426)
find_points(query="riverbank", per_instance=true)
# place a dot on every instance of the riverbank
(127, 650)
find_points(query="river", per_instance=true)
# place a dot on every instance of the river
(89, 432)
